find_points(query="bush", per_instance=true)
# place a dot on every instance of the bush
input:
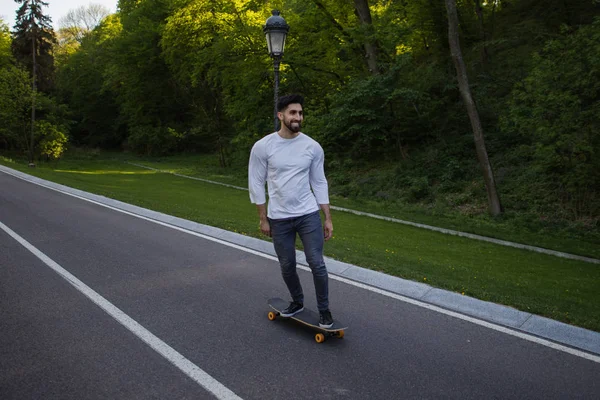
(381, 116)
(53, 142)
(150, 140)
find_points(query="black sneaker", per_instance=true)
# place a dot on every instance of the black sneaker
(326, 320)
(293, 309)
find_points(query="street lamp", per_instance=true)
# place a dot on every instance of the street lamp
(276, 30)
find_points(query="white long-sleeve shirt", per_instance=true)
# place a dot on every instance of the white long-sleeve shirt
(290, 167)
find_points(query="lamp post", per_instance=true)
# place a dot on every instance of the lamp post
(276, 30)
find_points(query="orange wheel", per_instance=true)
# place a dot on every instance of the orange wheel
(340, 334)
(320, 338)
(271, 316)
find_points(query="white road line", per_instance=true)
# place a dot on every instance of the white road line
(177, 359)
(489, 325)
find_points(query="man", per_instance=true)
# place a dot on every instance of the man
(292, 163)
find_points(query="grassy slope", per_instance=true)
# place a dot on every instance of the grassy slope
(505, 228)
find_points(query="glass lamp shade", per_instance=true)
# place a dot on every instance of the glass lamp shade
(276, 30)
(276, 42)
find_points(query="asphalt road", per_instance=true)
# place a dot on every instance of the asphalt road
(207, 304)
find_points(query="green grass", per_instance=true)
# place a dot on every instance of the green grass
(557, 288)
(508, 227)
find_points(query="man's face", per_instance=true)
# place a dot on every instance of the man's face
(292, 117)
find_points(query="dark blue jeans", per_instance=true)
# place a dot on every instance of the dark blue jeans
(310, 230)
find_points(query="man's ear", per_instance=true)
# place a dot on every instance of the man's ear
(280, 115)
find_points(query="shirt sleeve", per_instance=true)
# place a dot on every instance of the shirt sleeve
(318, 182)
(257, 174)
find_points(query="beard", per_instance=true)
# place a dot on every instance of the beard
(293, 126)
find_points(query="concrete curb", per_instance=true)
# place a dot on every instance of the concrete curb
(555, 331)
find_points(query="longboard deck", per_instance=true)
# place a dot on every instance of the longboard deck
(308, 318)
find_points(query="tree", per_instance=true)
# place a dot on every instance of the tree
(33, 39)
(380, 117)
(495, 207)
(364, 15)
(554, 117)
(209, 50)
(482, 33)
(81, 21)
(74, 27)
(151, 102)
(32, 48)
(5, 43)
(83, 82)
(15, 106)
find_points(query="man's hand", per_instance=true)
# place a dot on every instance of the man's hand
(265, 227)
(328, 230)
(328, 225)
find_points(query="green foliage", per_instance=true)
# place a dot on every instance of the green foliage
(5, 44)
(383, 115)
(34, 26)
(53, 142)
(421, 25)
(16, 99)
(555, 114)
(88, 82)
(325, 46)
(133, 69)
(15, 107)
(203, 47)
(151, 140)
(194, 76)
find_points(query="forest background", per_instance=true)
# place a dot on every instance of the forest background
(170, 77)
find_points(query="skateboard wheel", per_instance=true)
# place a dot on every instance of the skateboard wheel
(271, 316)
(340, 334)
(320, 338)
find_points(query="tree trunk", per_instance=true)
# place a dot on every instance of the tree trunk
(493, 20)
(364, 15)
(463, 84)
(482, 35)
(33, 99)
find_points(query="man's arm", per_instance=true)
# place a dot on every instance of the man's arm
(257, 176)
(328, 225)
(320, 188)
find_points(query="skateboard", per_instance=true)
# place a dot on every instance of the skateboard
(308, 318)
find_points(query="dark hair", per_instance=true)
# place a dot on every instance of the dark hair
(285, 101)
